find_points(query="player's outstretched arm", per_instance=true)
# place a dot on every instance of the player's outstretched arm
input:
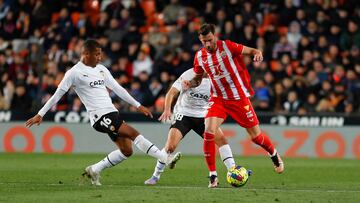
(37, 119)
(256, 53)
(169, 98)
(124, 95)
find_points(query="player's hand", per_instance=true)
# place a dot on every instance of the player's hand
(37, 119)
(258, 57)
(145, 111)
(186, 84)
(165, 116)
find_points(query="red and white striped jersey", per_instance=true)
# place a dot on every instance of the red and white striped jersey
(226, 69)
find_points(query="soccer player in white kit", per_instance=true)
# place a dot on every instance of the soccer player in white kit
(90, 81)
(189, 113)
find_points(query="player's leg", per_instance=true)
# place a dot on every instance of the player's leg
(145, 145)
(224, 149)
(174, 137)
(115, 157)
(243, 113)
(112, 159)
(264, 141)
(220, 140)
(214, 118)
(211, 126)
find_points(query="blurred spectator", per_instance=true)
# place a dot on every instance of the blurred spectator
(114, 33)
(294, 35)
(287, 13)
(324, 105)
(4, 9)
(20, 101)
(284, 47)
(350, 37)
(142, 63)
(172, 11)
(311, 103)
(40, 15)
(292, 104)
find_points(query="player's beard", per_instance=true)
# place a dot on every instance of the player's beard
(211, 48)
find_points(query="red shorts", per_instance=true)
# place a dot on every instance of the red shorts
(240, 110)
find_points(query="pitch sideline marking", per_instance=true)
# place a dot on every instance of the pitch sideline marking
(191, 187)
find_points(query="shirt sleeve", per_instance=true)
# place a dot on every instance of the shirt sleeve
(63, 87)
(67, 81)
(112, 84)
(52, 101)
(197, 68)
(235, 48)
(187, 75)
(177, 84)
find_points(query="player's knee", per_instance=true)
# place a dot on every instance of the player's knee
(210, 130)
(127, 152)
(220, 141)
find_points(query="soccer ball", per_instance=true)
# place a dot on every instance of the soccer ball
(237, 176)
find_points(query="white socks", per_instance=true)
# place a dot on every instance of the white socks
(160, 167)
(212, 173)
(112, 159)
(227, 156)
(149, 148)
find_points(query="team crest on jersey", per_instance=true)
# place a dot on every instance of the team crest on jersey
(102, 73)
(112, 128)
(247, 107)
(223, 54)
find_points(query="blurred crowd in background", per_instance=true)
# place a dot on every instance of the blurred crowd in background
(311, 49)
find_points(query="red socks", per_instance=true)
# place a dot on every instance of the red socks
(264, 142)
(209, 151)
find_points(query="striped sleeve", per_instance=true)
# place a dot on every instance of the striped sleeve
(197, 68)
(235, 48)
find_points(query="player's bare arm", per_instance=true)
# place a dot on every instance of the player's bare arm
(145, 111)
(256, 53)
(169, 98)
(194, 82)
(37, 119)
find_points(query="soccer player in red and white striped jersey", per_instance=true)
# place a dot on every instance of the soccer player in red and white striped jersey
(231, 89)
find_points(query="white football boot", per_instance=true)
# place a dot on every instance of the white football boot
(94, 177)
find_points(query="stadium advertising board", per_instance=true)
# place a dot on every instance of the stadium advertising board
(304, 142)
(315, 120)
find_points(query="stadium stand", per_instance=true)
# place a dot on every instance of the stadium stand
(311, 49)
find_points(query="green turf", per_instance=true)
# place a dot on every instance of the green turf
(56, 178)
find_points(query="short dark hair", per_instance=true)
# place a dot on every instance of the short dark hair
(206, 29)
(91, 45)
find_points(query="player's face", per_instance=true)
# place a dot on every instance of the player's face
(93, 57)
(208, 41)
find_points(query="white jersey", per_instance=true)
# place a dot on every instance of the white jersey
(90, 85)
(194, 101)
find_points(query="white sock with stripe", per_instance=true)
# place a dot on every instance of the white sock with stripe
(149, 148)
(113, 158)
(227, 156)
(159, 168)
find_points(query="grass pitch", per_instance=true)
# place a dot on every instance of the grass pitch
(57, 178)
